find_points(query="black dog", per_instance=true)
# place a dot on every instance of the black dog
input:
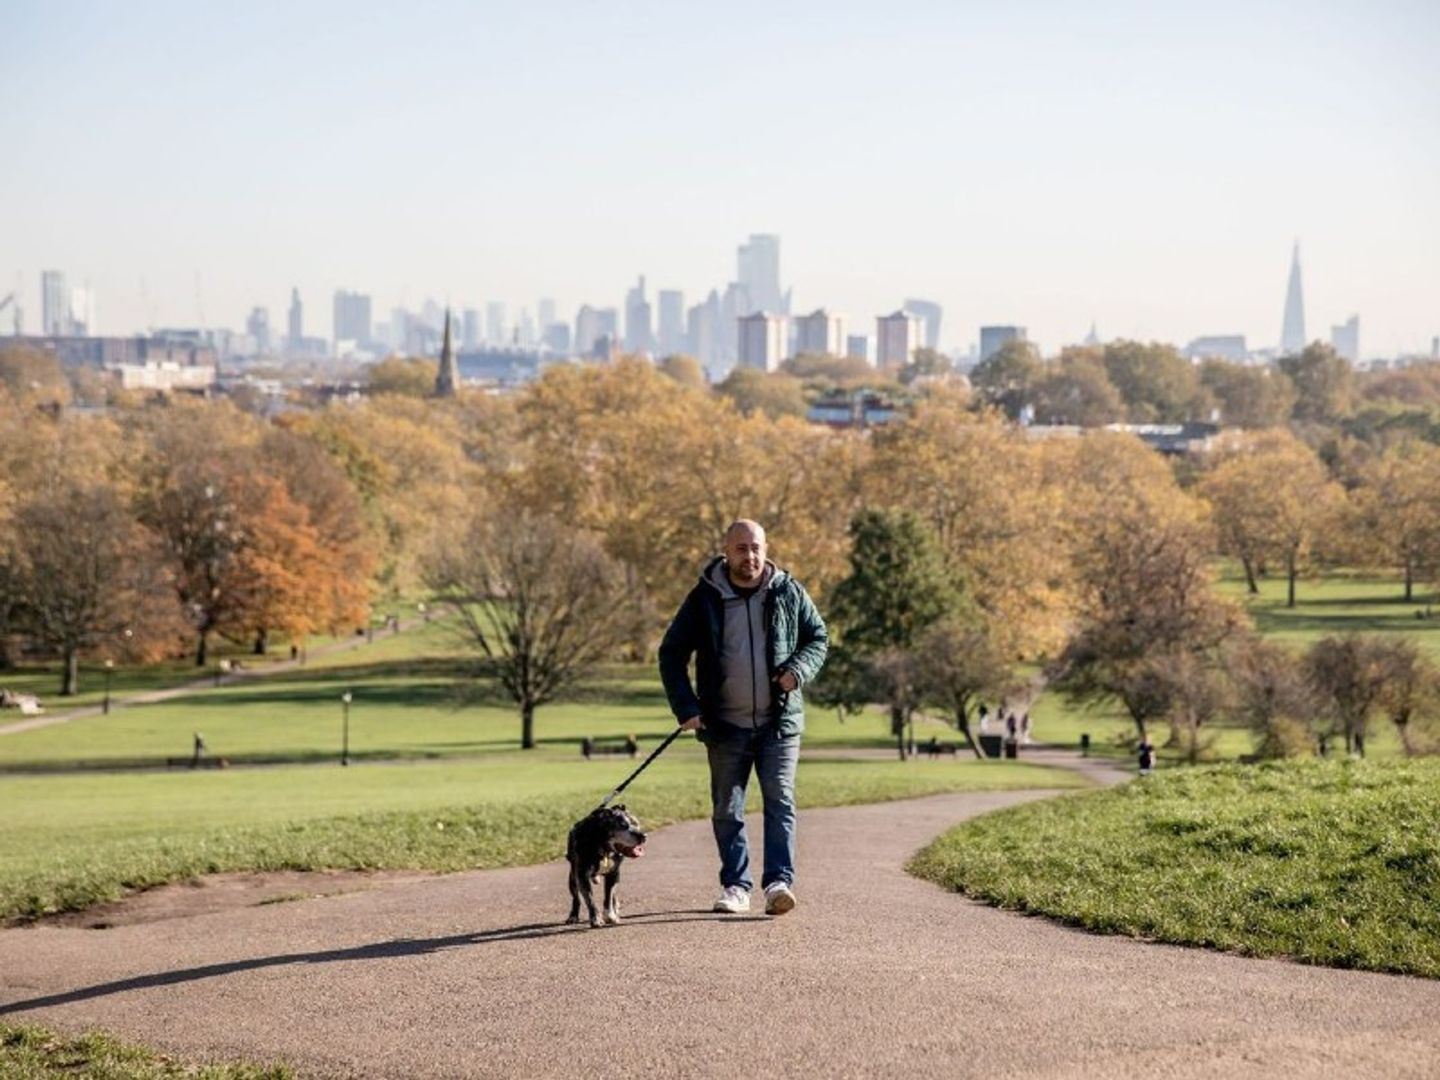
(597, 845)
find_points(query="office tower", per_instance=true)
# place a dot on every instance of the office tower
(671, 331)
(930, 312)
(54, 304)
(82, 311)
(993, 337)
(639, 323)
(556, 338)
(296, 322)
(524, 330)
(587, 329)
(352, 317)
(399, 330)
(759, 273)
(734, 303)
(1346, 339)
(495, 323)
(700, 323)
(545, 313)
(897, 336)
(857, 347)
(258, 327)
(447, 379)
(1292, 334)
(1218, 347)
(820, 333)
(471, 333)
(761, 341)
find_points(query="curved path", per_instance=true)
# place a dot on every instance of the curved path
(874, 974)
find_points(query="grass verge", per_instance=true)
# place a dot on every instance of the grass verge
(1332, 863)
(34, 1053)
(80, 840)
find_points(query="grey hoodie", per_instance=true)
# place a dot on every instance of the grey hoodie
(745, 671)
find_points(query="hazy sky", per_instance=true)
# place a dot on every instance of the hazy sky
(1143, 164)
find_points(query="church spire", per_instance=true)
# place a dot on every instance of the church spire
(447, 380)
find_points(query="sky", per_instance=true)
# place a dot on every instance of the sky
(1145, 166)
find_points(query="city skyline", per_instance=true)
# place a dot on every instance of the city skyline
(1043, 167)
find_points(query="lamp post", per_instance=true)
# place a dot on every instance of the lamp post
(345, 700)
(109, 670)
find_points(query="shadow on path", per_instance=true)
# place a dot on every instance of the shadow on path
(380, 950)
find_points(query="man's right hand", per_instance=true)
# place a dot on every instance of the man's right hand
(694, 723)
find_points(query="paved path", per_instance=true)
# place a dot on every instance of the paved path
(874, 974)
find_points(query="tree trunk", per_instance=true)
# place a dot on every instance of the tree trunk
(70, 677)
(897, 725)
(200, 650)
(1250, 584)
(262, 642)
(1409, 580)
(969, 738)
(1291, 572)
(527, 726)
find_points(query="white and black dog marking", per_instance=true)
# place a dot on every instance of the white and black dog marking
(597, 846)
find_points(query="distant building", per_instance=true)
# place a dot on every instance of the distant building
(1346, 339)
(54, 304)
(187, 348)
(761, 340)
(1292, 333)
(758, 273)
(993, 338)
(897, 336)
(545, 312)
(930, 312)
(700, 330)
(671, 329)
(258, 327)
(857, 347)
(470, 334)
(495, 323)
(1188, 438)
(352, 318)
(639, 321)
(556, 338)
(859, 410)
(296, 325)
(587, 329)
(1218, 347)
(447, 378)
(820, 333)
(165, 375)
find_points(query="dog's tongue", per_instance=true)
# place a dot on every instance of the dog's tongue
(637, 851)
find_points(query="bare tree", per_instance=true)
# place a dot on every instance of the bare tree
(1348, 674)
(958, 664)
(1410, 688)
(540, 601)
(1272, 697)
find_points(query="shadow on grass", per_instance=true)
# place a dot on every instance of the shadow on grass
(382, 950)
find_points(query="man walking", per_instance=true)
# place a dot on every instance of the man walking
(757, 639)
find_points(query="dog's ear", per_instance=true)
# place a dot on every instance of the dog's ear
(619, 808)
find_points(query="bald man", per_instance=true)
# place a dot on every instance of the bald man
(756, 638)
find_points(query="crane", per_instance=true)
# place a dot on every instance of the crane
(5, 302)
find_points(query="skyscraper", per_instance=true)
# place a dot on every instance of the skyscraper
(761, 340)
(930, 312)
(471, 336)
(639, 323)
(258, 327)
(897, 336)
(993, 337)
(352, 317)
(297, 321)
(54, 304)
(759, 273)
(1292, 334)
(545, 313)
(495, 323)
(820, 334)
(857, 347)
(1346, 339)
(671, 330)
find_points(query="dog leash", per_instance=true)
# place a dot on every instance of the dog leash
(643, 766)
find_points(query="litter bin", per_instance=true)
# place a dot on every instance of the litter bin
(991, 745)
(1085, 744)
(1012, 748)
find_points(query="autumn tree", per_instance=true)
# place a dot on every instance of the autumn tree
(540, 601)
(1075, 389)
(754, 392)
(1248, 395)
(32, 376)
(685, 370)
(958, 663)
(1274, 501)
(1399, 508)
(1007, 378)
(1324, 383)
(1157, 384)
(1348, 674)
(1145, 590)
(407, 377)
(1272, 696)
(1409, 689)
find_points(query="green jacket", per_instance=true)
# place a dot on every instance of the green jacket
(796, 641)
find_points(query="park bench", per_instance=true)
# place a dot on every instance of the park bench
(28, 704)
(611, 744)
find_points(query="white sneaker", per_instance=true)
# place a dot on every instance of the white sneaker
(778, 898)
(733, 901)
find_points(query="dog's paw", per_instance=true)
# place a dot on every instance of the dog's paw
(613, 918)
(597, 922)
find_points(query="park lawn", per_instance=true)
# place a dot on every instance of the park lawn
(77, 839)
(1338, 604)
(1332, 862)
(35, 1053)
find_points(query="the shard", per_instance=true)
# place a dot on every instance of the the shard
(1292, 335)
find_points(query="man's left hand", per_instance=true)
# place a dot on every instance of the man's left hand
(787, 680)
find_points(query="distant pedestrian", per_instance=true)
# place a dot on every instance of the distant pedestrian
(199, 751)
(984, 719)
(1025, 729)
(1147, 755)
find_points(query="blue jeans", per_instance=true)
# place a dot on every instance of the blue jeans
(733, 753)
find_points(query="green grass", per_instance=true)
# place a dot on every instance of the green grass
(74, 840)
(33, 1053)
(1337, 604)
(1327, 862)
